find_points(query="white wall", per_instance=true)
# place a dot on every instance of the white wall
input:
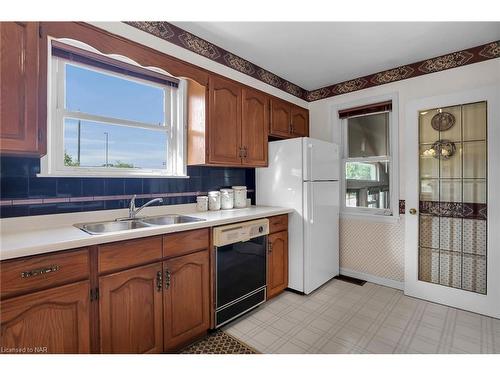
(171, 49)
(387, 251)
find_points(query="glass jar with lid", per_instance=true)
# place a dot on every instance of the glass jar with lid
(202, 203)
(214, 200)
(240, 196)
(227, 199)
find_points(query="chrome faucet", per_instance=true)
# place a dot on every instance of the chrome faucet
(132, 211)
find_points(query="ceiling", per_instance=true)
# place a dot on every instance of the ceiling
(318, 54)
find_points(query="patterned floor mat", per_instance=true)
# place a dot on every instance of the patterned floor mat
(219, 342)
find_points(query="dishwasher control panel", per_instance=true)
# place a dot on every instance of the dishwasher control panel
(240, 232)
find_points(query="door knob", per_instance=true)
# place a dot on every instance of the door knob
(413, 211)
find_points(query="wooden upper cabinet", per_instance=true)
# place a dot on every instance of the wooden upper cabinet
(130, 310)
(280, 118)
(288, 120)
(277, 267)
(186, 299)
(224, 129)
(19, 131)
(300, 122)
(53, 321)
(254, 127)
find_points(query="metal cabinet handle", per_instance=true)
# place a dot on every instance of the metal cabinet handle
(413, 211)
(159, 281)
(40, 271)
(167, 279)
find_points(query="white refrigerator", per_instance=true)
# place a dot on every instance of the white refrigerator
(303, 174)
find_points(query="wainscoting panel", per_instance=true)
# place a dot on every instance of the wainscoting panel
(373, 248)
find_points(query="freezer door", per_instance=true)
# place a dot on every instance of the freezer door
(320, 160)
(321, 233)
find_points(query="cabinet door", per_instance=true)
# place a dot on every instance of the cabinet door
(280, 118)
(300, 122)
(53, 321)
(130, 310)
(254, 127)
(224, 128)
(18, 88)
(186, 299)
(277, 266)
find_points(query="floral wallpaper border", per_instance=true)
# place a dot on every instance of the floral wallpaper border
(193, 43)
(437, 64)
(184, 39)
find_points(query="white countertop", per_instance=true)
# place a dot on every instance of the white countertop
(32, 235)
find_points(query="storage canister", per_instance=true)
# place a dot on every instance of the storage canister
(227, 199)
(202, 203)
(240, 196)
(213, 200)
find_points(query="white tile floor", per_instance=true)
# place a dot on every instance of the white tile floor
(346, 318)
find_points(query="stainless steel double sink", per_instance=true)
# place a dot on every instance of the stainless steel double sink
(137, 223)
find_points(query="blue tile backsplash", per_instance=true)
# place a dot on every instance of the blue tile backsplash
(19, 182)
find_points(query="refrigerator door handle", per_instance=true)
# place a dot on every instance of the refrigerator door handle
(310, 147)
(311, 220)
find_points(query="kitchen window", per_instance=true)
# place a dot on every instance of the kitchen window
(109, 116)
(369, 145)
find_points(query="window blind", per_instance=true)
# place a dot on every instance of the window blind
(366, 109)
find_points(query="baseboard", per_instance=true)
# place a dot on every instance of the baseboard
(373, 279)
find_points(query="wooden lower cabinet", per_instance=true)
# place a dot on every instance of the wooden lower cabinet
(52, 321)
(186, 299)
(277, 263)
(130, 309)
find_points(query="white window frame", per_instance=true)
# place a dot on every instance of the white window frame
(175, 125)
(376, 214)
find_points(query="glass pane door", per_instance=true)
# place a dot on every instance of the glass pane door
(452, 215)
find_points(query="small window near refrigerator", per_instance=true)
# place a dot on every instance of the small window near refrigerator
(368, 181)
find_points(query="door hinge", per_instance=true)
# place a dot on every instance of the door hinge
(40, 31)
(40, 135)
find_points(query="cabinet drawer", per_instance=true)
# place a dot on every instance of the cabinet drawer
(40, 272)
(278, 223)
(185, 242)
(125, 254)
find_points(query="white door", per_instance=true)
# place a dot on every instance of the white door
(452, 252)
(320, 160)
(321, 233)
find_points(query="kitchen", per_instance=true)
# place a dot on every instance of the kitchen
(169, 187)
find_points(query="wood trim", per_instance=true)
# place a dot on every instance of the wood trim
(72, 53)
(94, 304)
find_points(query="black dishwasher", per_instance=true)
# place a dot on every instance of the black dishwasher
(240, 251)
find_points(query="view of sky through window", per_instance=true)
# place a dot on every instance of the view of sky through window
(111, 145)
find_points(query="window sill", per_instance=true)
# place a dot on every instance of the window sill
(371, 217)
(104, 175)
